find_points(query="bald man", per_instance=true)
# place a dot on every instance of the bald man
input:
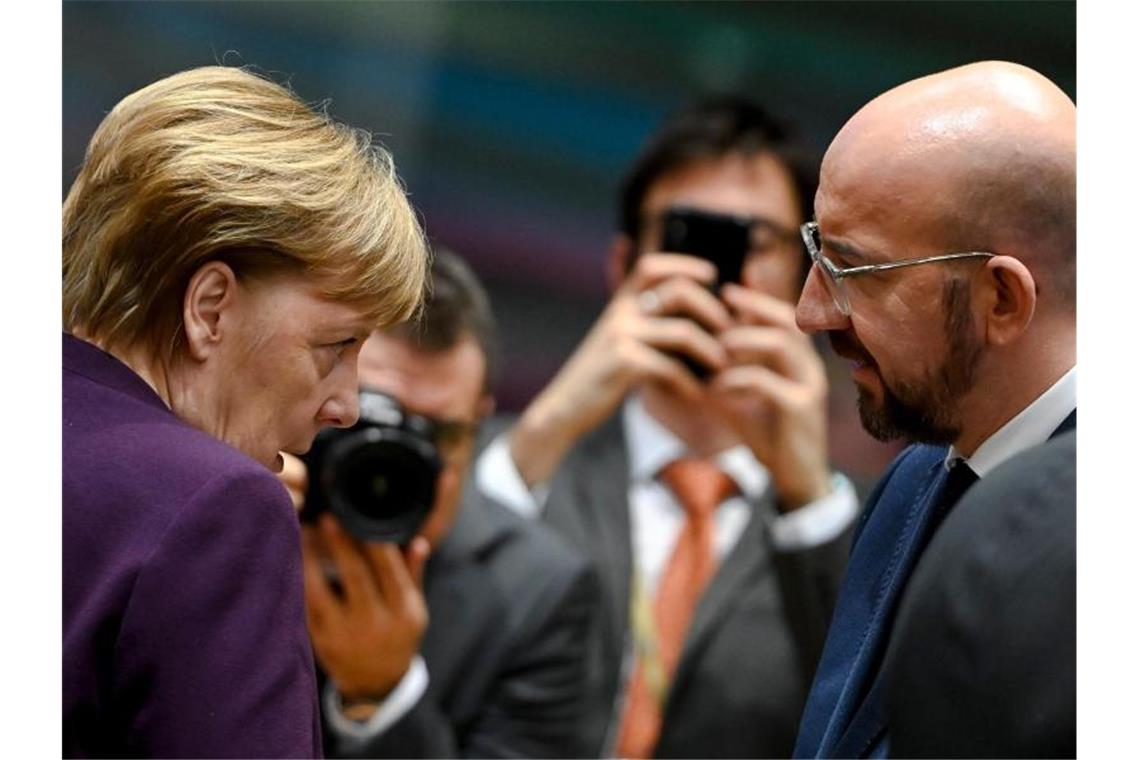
(943, 249)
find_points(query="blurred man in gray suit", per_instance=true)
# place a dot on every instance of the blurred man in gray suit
(707, 502)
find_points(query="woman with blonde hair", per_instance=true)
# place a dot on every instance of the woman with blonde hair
(226, 250)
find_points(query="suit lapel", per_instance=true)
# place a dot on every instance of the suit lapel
(867, 727)
(462, 595)
(459, 600)
(589, 502)
(741, 564)
(876, 573)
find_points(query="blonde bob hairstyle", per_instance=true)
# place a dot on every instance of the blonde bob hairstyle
(217, 163)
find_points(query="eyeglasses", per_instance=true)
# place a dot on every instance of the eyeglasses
(833, 275)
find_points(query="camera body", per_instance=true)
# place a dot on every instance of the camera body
(377, 477)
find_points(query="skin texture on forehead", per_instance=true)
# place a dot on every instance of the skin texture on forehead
(971, 155)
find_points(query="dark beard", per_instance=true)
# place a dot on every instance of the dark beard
(928, 412)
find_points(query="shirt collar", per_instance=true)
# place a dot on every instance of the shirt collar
(651, 446)
(1032, 426)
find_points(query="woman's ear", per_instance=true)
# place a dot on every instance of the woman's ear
(1010, 299)
(213, 290)
(619, 261)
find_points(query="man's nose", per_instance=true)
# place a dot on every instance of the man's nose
(817, 310)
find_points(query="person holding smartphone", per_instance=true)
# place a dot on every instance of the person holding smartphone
(683, 447)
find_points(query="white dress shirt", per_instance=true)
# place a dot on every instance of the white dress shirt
(656, 517)
(397, 704)
(1030, 427)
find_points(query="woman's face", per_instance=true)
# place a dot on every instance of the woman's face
(290, 370)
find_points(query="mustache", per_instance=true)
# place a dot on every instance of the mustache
(848, 346)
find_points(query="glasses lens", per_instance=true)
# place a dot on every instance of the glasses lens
(834, 286)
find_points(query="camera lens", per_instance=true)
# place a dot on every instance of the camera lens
(381, 483)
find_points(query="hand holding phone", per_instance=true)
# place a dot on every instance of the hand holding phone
(721, 239)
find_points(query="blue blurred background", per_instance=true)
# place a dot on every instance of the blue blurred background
(512, 123)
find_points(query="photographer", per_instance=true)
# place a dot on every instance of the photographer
(500, 669)
(705, 498)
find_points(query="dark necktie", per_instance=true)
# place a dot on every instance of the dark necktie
(959, 480)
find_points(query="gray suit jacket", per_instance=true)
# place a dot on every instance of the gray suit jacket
(510, 606)
(755, 637)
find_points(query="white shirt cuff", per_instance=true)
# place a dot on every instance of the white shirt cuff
(497, 476)
(401, 700)
(817, 522)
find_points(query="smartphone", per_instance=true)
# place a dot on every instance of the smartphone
(722, 239)
(719, 238)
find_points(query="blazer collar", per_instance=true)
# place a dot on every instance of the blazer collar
(97, 365)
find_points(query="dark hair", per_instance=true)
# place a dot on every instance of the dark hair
(456, 306)
(713, 128)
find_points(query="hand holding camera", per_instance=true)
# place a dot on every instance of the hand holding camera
(361, 493)
(367, 628)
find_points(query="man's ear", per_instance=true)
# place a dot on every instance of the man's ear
(213, 290)
(619, 261)
(1010, 299)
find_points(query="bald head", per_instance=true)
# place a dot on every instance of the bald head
(983, 157)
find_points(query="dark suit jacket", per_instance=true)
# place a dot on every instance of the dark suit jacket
(183, 618)
(846, 710)
(510, 607)
(982, 661)
(755, 636)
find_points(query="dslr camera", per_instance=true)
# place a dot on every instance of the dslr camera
(377, 477)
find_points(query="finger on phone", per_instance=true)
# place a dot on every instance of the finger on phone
(751, 344)
(653, 268)
(662, 368)
(753, 307)
(680, 335)
(752, 379)
(685, 297)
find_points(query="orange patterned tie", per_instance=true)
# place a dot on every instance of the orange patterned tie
(700, 487)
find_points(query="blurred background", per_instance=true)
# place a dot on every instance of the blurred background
(512, 122)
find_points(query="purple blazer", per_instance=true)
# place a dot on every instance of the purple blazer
(183, 616)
